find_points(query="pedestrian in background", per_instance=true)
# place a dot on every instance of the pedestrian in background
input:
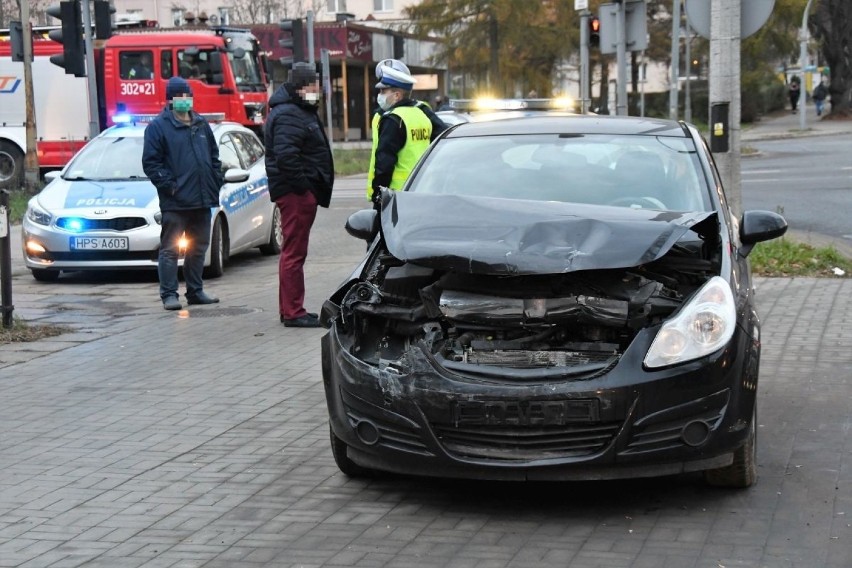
(793, 92)
(402, 129)
(300, 168)
(181, 158)
(819, 95)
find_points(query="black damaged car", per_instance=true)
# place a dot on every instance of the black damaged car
(551, 297)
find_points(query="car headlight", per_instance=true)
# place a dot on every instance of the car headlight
(38, 215)
(702, 326)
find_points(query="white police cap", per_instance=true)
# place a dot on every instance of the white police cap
(393, 73)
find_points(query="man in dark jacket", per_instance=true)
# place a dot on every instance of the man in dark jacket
(181, 158)
(300, 168)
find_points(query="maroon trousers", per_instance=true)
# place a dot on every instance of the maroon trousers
(297, 217)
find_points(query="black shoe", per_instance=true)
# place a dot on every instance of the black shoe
(311, 314)
(201, 298)
(307, 320)
(171, 303)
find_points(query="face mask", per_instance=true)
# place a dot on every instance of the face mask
(311, 98)
(383, 101)
(182, 105)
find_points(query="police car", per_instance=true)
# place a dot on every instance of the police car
(102, 212)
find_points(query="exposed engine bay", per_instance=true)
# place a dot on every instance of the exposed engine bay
(536, 325)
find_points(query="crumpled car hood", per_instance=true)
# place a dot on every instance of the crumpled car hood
(480, 235)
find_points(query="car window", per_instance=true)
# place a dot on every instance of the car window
(628, 171)
(249, 147)
(228, 154)
(108, 158)
(136, 65)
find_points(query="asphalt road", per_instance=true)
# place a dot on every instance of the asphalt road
(808, 179)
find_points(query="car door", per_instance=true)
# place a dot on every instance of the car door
(234, 197)
(251, 152)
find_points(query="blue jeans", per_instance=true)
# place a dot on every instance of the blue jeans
(820, 104)
(195, 225)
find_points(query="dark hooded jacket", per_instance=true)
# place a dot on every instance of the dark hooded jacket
(182, 161)
(298, 156)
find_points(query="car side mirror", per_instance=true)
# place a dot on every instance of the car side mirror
(236, 175)
(52, 175)
(759, 226)
(363, 224)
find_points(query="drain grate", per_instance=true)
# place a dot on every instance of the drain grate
(208, 312)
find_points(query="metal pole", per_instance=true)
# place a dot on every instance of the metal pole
(675, 59)
(803, 55)
(621, 60)
(584, 62)
(642, 79)
(311, 58)
(6, 256)
(94, 128)
(326, 87)
(31, 158)
(687, 103)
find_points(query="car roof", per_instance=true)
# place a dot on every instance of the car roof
(137, 129)
(539, 122)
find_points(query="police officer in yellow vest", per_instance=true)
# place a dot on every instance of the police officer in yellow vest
(402, 129)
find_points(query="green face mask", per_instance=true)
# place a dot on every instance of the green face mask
(182, 105)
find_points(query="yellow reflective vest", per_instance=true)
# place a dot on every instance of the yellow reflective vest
(418, 136)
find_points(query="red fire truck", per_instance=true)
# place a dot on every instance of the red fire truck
(224, 66)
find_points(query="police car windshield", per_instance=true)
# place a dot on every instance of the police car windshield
(108, 158)
(617, 170)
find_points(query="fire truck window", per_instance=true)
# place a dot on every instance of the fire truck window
(136, 65)
(228, 154)
(166, 64)
(195, 65)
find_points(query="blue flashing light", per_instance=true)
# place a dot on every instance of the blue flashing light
(72, 224)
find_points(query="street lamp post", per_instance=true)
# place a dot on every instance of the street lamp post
(803, 54)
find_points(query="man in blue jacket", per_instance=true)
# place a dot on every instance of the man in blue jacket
(301, 176)
(181, 158)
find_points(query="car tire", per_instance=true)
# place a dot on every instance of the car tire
(218, 250)
(42, 275)
(347, 466)
(273, 246)
(742, 472)
(11, 166)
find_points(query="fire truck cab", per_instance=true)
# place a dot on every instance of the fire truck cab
(224, 67)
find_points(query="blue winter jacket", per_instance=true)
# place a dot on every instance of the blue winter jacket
(182, 161)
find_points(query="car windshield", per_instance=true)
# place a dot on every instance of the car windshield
(108, 158)
(246, 71)
(619, 170)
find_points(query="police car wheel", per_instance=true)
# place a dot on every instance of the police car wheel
(218, 251)
(273, 246)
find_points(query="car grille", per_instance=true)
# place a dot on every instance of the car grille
(522, 444)
(520, 359)
(117, 224)
(101, 255)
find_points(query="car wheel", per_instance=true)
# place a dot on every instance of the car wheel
(347, 466)
(45, 275)
(275, 236)
(743, 471)
(218, 251)
(11, 166)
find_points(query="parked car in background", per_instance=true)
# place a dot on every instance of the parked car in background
(551, 296)
(101, 211)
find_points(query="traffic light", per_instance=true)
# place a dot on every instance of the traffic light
(103, 19)
(70, 36)
(295, 42)
(594, 31)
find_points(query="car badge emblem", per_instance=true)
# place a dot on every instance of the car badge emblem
(100, 211)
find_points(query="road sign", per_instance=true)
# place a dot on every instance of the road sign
(581, 4)
(635, 24)
(753, 14)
